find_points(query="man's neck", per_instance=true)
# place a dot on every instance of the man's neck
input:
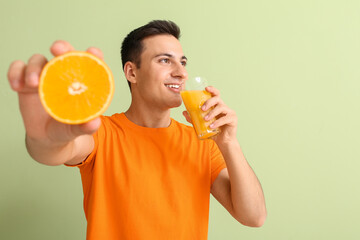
(151, 118)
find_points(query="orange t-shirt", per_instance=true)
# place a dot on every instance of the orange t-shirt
(148, 183)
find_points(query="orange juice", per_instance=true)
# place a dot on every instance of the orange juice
(193, 100)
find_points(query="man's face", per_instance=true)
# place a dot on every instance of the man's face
(162, 72)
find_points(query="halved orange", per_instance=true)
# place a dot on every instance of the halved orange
(76, 87)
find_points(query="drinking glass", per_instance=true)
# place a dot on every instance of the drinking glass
(194, 96)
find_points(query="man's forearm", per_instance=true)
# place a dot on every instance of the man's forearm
(57, 153)
(246, 193)
(47, 152)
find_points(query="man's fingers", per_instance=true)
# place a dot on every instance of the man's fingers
(187, 116)
(25, 78)
(213, 91)
(16, 74)
(33, 70)
(215, 112)
(96, 51)
(60, 47)
(225, 120)
(211, 102)
(85, 128)
(89, 127)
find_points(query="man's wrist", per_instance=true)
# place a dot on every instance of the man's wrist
(228, 144)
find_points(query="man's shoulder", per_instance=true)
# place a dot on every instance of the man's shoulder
(185, 131)
(181, 125)
(111, 122)
(116, 117)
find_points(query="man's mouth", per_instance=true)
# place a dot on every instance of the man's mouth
(174, 86)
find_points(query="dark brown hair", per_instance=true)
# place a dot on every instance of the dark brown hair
(132, 45)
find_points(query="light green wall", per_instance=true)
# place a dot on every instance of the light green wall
(290, 69)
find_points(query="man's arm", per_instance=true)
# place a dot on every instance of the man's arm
(236, 187)
(48, 141)
(55, 153)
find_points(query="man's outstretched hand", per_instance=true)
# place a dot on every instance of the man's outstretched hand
(41, 129)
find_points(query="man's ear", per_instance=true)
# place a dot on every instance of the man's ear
(130, 72)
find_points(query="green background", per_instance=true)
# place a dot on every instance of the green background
(290, 69)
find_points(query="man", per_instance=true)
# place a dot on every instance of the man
(144, 175)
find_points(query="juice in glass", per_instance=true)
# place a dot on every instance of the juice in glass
(193, 100)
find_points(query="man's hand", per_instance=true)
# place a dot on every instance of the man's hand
(41, 129)
(226, 118)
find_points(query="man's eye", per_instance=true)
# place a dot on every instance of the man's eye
(164, 60)
(183, 63)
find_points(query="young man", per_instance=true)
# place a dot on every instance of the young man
(144, 175)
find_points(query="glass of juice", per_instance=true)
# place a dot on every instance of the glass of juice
(194, 96)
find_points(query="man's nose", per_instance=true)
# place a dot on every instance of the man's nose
(179, 71)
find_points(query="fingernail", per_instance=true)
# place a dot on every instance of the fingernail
(212, 125)
(206, 117)
(203, 107)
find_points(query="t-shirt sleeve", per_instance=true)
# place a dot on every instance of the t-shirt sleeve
(217, 161)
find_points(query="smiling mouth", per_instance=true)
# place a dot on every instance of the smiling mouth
(173, 86)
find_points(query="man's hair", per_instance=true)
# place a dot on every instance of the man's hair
(132, 46)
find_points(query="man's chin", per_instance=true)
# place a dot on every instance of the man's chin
(175, 104)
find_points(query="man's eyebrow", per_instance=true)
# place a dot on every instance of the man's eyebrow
(184, 58)
(170, 56)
